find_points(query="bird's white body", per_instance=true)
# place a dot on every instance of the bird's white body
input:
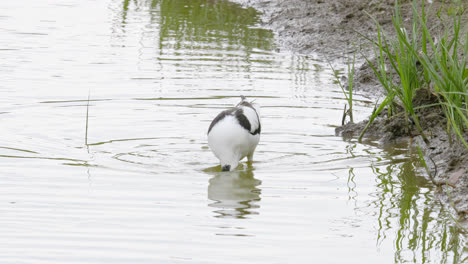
(234, 134)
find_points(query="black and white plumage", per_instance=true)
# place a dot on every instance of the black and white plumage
(235, 133)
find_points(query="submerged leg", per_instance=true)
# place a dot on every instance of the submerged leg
(250, 157)
(226, 168)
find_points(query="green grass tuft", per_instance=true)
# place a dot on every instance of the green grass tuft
(349, 93)
(416, 61)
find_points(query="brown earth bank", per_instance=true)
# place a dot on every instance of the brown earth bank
(337, 29)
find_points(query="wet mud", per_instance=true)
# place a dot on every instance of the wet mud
(334, 30)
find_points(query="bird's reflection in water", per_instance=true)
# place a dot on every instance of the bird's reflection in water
(235, 194)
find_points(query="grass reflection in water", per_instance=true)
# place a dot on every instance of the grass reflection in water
(407, 208)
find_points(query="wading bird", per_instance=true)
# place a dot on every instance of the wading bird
(235, 133)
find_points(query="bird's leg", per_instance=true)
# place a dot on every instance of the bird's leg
(250, 158)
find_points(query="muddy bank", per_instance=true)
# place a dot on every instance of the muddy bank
(337, 29)
(331, 28)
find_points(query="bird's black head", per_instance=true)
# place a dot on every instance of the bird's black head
(226, 168)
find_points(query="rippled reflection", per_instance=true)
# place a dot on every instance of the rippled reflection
(236, 194)
(189, 31)
(408, 211)
(202, 24)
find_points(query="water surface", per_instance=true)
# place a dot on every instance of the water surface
(143, 187)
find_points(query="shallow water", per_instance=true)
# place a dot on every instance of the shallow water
(138, 184)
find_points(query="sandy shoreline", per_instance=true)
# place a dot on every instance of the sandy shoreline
(336, 29)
